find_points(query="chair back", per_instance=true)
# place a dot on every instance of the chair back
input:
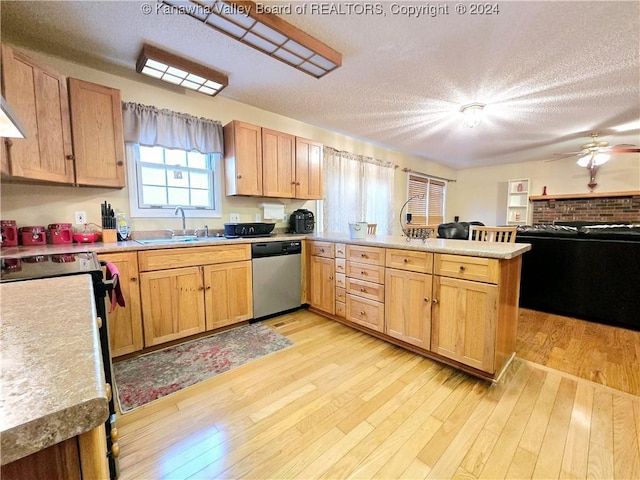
(493, 234)
(371, 229)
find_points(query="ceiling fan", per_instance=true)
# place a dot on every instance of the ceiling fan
(596, 153)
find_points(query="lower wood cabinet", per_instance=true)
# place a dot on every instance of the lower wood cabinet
(464, 322)
(322, 283)
(172, 304)
(125, 323)
(228, 294)
(408, 306)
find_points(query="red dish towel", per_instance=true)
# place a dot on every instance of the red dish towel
(116, 293)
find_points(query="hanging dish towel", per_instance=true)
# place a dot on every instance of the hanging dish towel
(117, 298)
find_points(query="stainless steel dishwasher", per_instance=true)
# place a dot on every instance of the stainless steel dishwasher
(276, 277)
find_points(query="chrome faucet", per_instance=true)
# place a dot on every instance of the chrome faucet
(184, 224)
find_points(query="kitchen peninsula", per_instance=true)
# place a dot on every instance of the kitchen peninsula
(455, 301)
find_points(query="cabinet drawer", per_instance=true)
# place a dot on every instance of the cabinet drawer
(341, 295)
(322, 249)
(341, 280)
(370, 273)
(191, 256)
(341, 250)
(468, 268)
(341, 309)
(368, 255)
(361, 288)
(341, 265)
(421, 262)
(365, 312)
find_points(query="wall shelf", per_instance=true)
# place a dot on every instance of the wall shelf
(518, 201)
(631, 193)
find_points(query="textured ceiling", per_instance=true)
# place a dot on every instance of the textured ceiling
(550, 72)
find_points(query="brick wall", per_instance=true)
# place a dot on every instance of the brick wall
(598, 209)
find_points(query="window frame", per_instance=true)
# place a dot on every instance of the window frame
(133, 165)
(427, 180)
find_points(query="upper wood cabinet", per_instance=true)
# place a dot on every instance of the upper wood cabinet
(91, 153)
(308, 176)
(98, 142)
(243, 158)
(39, 98)
(278, 164)
(269, 163)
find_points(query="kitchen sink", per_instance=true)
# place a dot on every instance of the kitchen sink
(178, 239)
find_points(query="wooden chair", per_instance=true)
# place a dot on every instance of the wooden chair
(371, 228)
(493, 234)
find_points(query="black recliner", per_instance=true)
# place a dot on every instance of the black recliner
(456, 230)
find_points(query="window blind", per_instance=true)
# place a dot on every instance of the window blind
(427, 200)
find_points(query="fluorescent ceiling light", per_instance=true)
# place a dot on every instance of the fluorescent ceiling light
(179, 71)
(263, 31)
(10, 126)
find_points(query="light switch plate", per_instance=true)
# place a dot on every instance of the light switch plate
(80, 218)
(234, 217)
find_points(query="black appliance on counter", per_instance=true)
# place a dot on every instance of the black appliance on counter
(257, 229)
(31, 267)
(301, 221)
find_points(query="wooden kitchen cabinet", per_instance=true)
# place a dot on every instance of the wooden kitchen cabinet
(464, 321)
(243, 158)
(228, 294)
(186, 291)
(125, 323)
(408, 287)
(365, 289)
(322, 290)
(172, 304)
(39, 98)
(308, 169)
(278, 164)
(98, 141)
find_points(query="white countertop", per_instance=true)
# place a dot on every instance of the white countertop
(470, 248)
(52, 384)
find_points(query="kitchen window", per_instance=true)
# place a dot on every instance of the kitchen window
(427, 199)
(173, 159)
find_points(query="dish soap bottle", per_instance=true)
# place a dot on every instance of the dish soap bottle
(122, 226)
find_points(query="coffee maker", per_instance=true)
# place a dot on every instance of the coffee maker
(301, 221)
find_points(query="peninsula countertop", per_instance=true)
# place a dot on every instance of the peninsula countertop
(470, 248)
(52, 385)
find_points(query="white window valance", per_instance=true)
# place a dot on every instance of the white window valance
(149, 126)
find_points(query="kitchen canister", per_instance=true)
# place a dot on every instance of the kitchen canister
(30, 236)
(59, 233)
(9, 233)
(358, 230)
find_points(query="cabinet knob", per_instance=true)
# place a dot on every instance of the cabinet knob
(115, 450)
(322, 250)
(462, 268)
(208, 287)
(406, 260)
(363, 255)
(120, 163)
(435, 300)
(70, 157)
(362, 272)
(426, 299)
(330, 277)
(293, 183)
(297, 183)
(362, 289)
(238, 176)
(134, 279)
(362, 312)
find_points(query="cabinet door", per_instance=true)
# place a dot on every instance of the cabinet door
(278, 164)
(228, 294)
(40, 100)
(98, 143)
(464, 321)
(172, 304)
(308, 169)
(125, 323)
(408, 307)
(322, 288)
(243, 158)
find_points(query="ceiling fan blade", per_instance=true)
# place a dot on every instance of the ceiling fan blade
(625, 150)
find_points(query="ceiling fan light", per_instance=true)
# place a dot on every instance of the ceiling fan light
(472, 114)
(584, 161)
(601, 158)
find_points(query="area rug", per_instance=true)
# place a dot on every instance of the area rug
(148, 377)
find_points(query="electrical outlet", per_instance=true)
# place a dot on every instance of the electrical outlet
(285, 218)
(234, 217)
(81, 217)
(258, 217)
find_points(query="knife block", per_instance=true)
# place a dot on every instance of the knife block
(109, 235)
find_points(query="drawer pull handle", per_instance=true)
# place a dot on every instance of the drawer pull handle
(435, 301)
(406, 260)
(362, 312)
(462, 268)
(362, 289)
(426, 299)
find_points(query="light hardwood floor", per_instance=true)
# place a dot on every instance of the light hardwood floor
(340, 404)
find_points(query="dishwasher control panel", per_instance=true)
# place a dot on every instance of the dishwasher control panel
(272, 249)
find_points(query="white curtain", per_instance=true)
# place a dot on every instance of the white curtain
(149, 126)
(356, 189)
